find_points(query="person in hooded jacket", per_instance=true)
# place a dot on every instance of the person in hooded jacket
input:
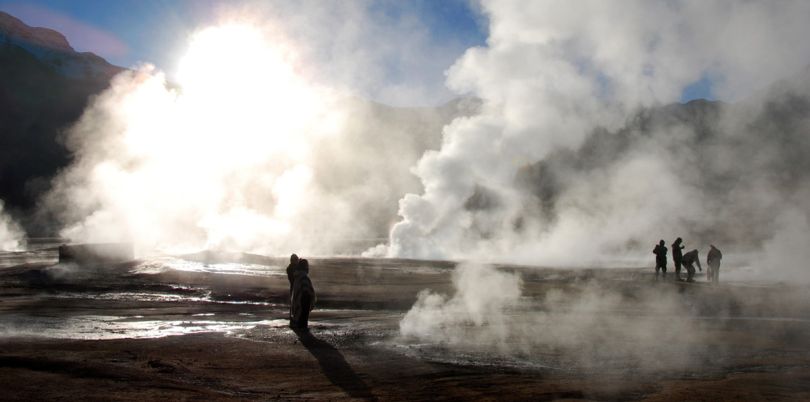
(303, 296)
(713, 261)
(660, 252)
(689, 260)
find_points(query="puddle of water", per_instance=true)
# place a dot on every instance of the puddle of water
(98, 327)
(131, 296)
(154, 297)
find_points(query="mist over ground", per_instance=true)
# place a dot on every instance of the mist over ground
(349, 62)
(595, 325)
(252, 188)
(10, 232)
(568, 145)
(576, 158)
(583, 156)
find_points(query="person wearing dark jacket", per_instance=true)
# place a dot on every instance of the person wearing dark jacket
(303, 296)
(713, 261)
(291, 275)
(291, 269)
(689, 259)
(660, 252)
(677, 256)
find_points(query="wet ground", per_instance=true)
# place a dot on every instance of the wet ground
(211, 326)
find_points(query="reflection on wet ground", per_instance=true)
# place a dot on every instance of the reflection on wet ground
(362, 301)
(98, 327)
(164, 264)
(158, 297)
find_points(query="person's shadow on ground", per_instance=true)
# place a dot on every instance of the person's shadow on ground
(334, 365)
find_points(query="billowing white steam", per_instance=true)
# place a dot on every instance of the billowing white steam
(482, 295)
(10, 232)
(576, 158)
(249, 149)
(553, 72)
(574, 323)
(195, 167)
(253, 152)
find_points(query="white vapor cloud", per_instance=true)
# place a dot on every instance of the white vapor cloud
(379, 50)
(250, 149)
(573, 101)
(482, 295)
(11, 233)
(573, 324)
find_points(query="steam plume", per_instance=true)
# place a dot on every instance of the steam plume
(252, 149)
(10, 232)
(482, 295)
(574, 159)
(583, 325)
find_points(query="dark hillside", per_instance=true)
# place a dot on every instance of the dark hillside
(41, 94)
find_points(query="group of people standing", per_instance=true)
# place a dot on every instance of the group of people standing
(302, 293)
(687, 261)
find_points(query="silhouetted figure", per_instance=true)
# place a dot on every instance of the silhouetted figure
(677, 256)
(713, 261)
(290, 271)
(689, 261)
(303, 265)
(303, 296)
(660, 252)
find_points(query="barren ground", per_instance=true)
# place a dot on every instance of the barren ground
(211, 327)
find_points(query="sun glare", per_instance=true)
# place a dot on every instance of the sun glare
(242, 94)
(228, 151)
(231, 60)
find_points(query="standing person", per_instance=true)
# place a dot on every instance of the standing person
(660, 252)
(291, 270)
(713, 260)
(677, 257)
(689, 260)
(303, 296)
(291, 275)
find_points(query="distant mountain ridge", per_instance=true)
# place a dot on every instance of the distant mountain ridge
(17, 31)
(44, 88)
(53, 49)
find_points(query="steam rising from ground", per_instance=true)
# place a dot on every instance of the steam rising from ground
(10, 232)
(248, 153)
(579, 324)
(573, 158)
(189, 168)
(573, 161)
(482, 296)
(260, 143)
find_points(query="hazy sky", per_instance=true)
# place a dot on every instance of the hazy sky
(128, 32)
